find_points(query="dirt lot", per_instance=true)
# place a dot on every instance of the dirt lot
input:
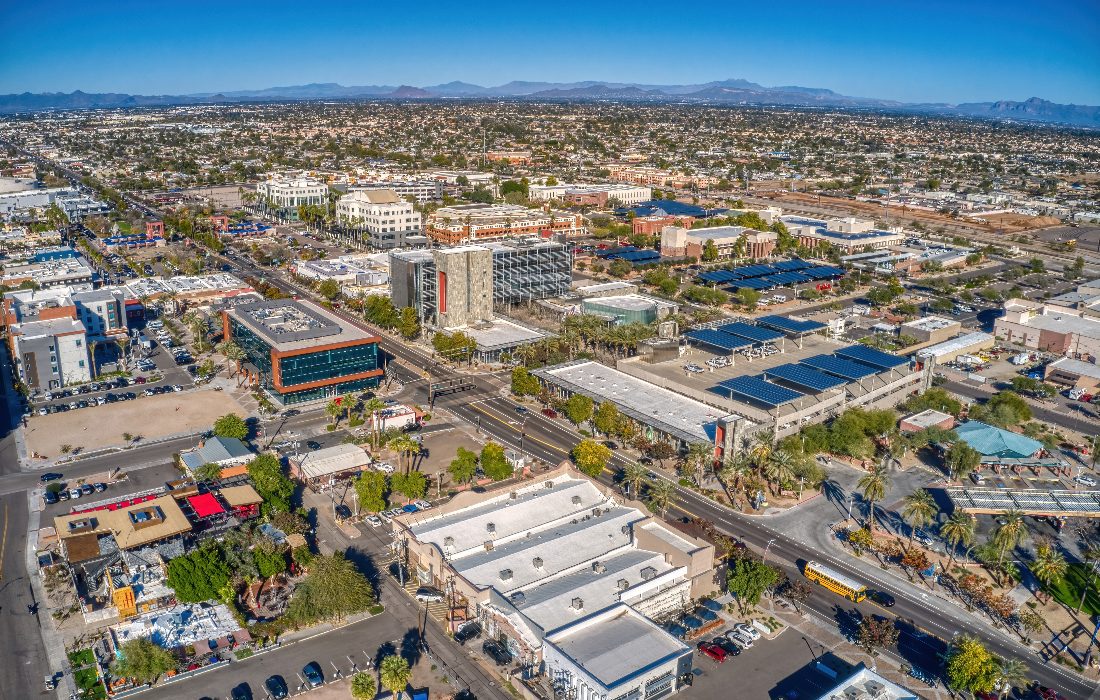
(148, 416)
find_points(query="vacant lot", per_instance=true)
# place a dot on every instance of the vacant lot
(146, 416)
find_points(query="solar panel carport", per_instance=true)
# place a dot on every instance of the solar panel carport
(846, 369)
(1084, 504)
(808, 377)
(718, 339)
(786, 278)
(751, 284)
(872, 357)
(792, 265)
(753, 333)
(758, 390)
(789, 325)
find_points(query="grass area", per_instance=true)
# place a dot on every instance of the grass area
(1068, 590)
(83, 657)
(88, 681)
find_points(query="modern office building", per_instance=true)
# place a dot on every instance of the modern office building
(50, 354)
(848, 235)
(297, 351)
(477, 223)
(731, 242)
(423, 191)
(592, 195)
(629, 308)
(380, 216)
(457, 287)
(287, 192)
(65, 272)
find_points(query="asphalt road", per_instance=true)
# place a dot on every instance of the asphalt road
(21, 647)
(1071, 421)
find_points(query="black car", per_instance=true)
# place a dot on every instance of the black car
(882, 598)
(312, 672)
(49, 476)
(276, 687)
(470, 630)
(727, 646)
(343, 512)
(87, 489)
(313, 444)
(49, 498)
(497, 652)
(241, 692)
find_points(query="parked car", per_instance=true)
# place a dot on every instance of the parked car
(715, 652)
(276, 687)
(75, 493)
(87, 490)
(549, 413)
(49, 476)
(748, 630)
(468, 631)
(312, 672)
(1085, 480)
(99, 487)
(422, 505)
(737, 637)
(977, 478)
(241, 692)
(62, 495)
(374, 521)
(727, 646)
(343, 512)
(427, 594)
(496, 652)
(49, 498)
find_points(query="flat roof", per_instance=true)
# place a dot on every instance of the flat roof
(1072, 366)
(136, 525)
(661, 408)
(963, 342)
(333, 460)
(1030, 501)
(242, 495)
(1067, 322)
(501, 333)
(931, 323)
(865, 683)
(292, 324)
(617, 645)
(630, 302)
(927, 418)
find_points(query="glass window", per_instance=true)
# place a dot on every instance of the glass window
(328, 364)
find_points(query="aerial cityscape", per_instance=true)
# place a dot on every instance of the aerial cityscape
(467, 355)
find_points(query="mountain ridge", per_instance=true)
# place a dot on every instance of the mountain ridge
(729, 91)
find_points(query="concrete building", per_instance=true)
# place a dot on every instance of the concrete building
(592, 195)
(66, 272)
(102, 311)
(629, 308)
(381, 217)
(1074, 374)
(533, 563)
(677, 241)
(1055, 329)
(200, 289)
(423, 191)
(457, 287)
(848, 235)
(865, 684)
(287, 192)
(320, 466)
(926, 419)
(656, 177)
(653, 225)
(949, 350)
(50, 354)
(476, 223)
(931, 329)
(349, 270)
(297, 351)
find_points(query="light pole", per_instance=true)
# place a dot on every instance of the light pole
(766, 548)
(849, 507)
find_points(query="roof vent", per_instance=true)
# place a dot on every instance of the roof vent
(596, 512)
(449, 542)
(574, 521)
(576, 500)
(549, 484)
(622, 584)
(488, 545)
(578, 604)
(518, 598)
(490, 527)
(625, 529)
(598, 567)
(513, 495)
(505, 574)
(648, 573)
(537, 562)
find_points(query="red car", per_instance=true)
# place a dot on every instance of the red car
(1050, 693)
(713, 651)
(549, 413)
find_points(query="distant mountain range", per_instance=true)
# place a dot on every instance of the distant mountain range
(733, 91)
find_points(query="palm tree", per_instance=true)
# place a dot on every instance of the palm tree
(1049, 565)
(394, 672)
(695, 460)
(1011, 673)
(732, 475)
(920, 509)
(1092, 561)
(123, 342)
(779, 469)
(661, 495)
(874, 487)
(371, 408)
(1009, 534)
(959, 529)
(634, 475)
(91, 349)
(334, 409)
(404, 445)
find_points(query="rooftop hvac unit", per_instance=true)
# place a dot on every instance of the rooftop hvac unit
(625, 529)
(448, 542)
(596, 512)
(876, 690)
(490, 527)
(549, 484)
(648, 573)
(598, 567)
(505, 574)
(513, 495)
(578, 604)
(537, 562)
(622, 584)
(488, 545)
(576, 500)
(518, 598)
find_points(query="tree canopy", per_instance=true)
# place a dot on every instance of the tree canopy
(199, 575)
(748, 579)
(493, 462)
(606, 418)
(266, 473)
(412, 485)
(231, 426)
(463, 467)
(333, 590)
(143, 660)
(970, 666)
(591, 457)
(371, 489)
(578, 408)
(524, 383)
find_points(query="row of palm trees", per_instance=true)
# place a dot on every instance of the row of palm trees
(660, 494)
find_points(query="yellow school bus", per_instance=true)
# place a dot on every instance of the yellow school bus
(835, 581)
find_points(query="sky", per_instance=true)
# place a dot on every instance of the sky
(926, 51)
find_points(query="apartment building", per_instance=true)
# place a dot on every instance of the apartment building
(476, 223)
(287, 192)
(51, 353)
(656, 177)
(592, 195)
(677, 241)
(382, 217)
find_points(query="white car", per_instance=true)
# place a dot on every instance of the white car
(422, 505)
(374, 521)
(748, 630)
(384, 468)
(696, 369)
(1085, 480)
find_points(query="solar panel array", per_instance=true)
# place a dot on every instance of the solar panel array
(757, 283)
(784, 278)
(789, 325)
(754, 333)
(718, 339)
(1029, 501)
(636, 256)
(871, 356)
(759, 390)
(719, 276)
(785, 272)
(792, 265)
(805, 376)
(852, 371)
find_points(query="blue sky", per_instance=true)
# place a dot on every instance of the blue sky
(894, 49)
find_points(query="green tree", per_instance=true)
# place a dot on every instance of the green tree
(1011, 673)
(877, 633)
(266, 473)
(408, 324)
(961, 460)
(591, 457)
(748, 298)
(710, 251)
(493, 462)
(329, 289)
(1009, 533)
(1049, 565)
(524, 383)
(970, 666)
(748, 579)
(920, 509)
(606, 418)
(143, 660)
(935, 398)
(199, 575)
(634, 475)
(412, 485)
(463, 467)
(333, 590)
(231, 426)
(660, 495)
(334, 409)
(1005, 409)
(209, 472)
(269, 562)
(578, 409)
(394, 672)
(370, 487)
(363, 686)
(958, 530)
(874, 485)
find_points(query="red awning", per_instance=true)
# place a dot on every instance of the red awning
(205, 505)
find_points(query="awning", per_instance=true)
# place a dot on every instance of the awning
(205, 505)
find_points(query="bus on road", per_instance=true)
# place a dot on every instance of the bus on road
(835, 581)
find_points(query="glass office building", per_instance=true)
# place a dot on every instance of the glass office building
(297, 352)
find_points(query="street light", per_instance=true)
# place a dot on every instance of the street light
(765, 559)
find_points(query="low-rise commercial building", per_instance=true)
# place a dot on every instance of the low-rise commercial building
(653, 225)
(65, 272)
(320, 466)
(287, 192)
(931, 329)
(476, 223)
(423, 191)
(865, 684)
(848, 235)
(949, 350)
(1075, 374)
(50, 354)
(592, 195)
(926, 419)
(730, 242)
(222, 451)
(348, 270)
(629, 308)
(297, 351)
(1049, 328)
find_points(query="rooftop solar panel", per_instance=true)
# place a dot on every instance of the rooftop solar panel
(718, 276)
(757, 283)
(717, 339)
(839, 367)
(754, 333)
(786, 278)
(791, 265)
(758, 390)
(871, 356)
(790, 325)
(805, 376)
(756, 270)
